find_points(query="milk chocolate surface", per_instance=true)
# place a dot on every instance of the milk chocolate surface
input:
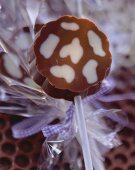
(72, 55)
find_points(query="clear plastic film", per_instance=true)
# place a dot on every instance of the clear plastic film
(117, 19)
(67, 156)
(21, 95)
(98, 133)
(102, 128)
(16, 45)
(17, 79)
(19, 19)
(15, 29)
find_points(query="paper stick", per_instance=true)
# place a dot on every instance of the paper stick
(83, 133)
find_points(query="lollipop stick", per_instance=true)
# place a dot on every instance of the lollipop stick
(83, 133)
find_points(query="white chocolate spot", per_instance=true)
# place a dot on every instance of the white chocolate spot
(48, 46)
(70, 26)
(74, 50)
(12, 65)
(96, 43)
(64, 71)
(23, 40)
(89, 71)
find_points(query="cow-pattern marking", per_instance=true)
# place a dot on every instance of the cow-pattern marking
(74, 50)
(89, 71)
(96, 43)
(48, 46)
(64, 71)
(12, 65)
(70, 26)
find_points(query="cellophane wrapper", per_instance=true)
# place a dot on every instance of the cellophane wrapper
(17, 31)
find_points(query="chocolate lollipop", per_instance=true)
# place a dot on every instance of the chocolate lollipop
(72, 57)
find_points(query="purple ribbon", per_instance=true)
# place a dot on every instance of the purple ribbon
(30, 126)
(117, 97)
(33, 125)
(61, 129)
